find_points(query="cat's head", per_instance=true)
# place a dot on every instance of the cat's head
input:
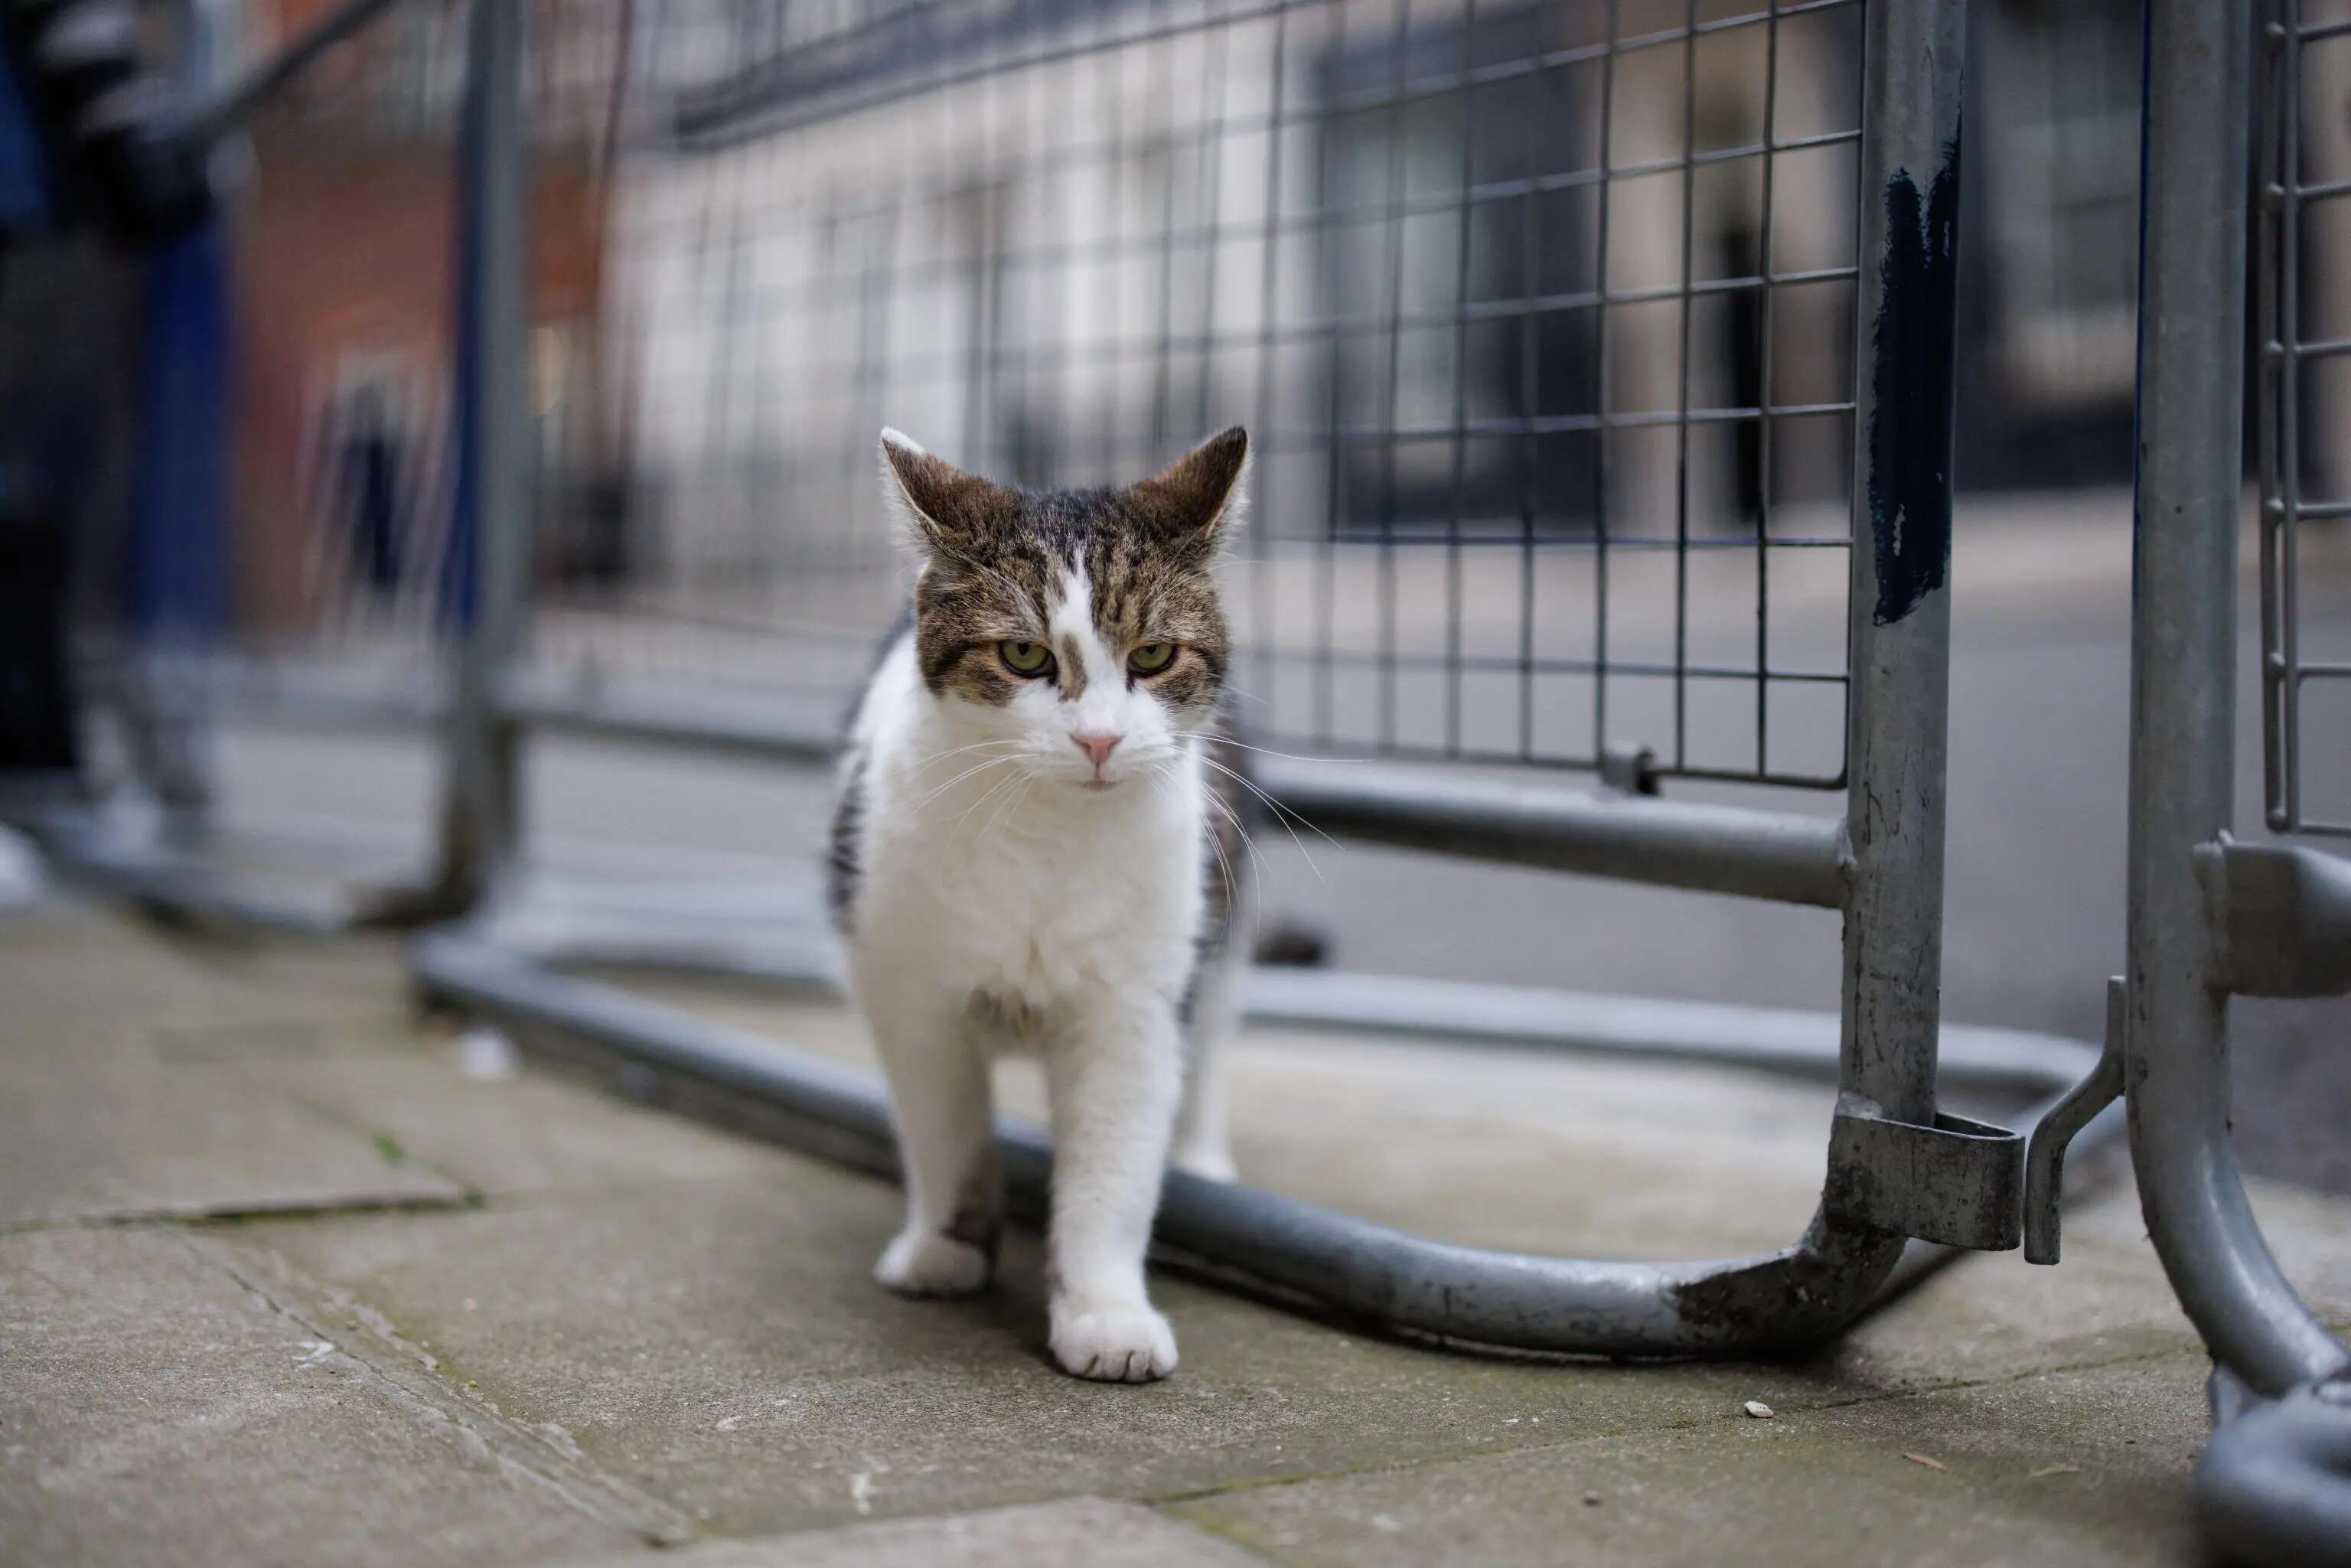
(1076, 633)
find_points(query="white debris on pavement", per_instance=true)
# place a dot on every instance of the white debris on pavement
(487, 1054)
(21, 879)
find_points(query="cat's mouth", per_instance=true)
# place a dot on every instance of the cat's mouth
(1098, 785)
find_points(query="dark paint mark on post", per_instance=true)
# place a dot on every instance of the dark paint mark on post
(1911, 380)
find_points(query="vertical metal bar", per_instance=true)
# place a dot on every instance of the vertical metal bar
(2290, 421)
(1164, 349)
(2183, 695)
(1763, 394)
(1466, 216)
(726, 457)
(1529, 443)
(1601, 459)
(1393, 221)
(1326, 549)
(1216, 128)
(1900, 606)
(1271, 431)
(484, 819)
(2274, 194)
(1105, 351)
(1681, 380)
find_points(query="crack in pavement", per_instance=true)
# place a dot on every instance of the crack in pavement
(409, 1379)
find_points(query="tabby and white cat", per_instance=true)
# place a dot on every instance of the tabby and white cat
(1030, 851)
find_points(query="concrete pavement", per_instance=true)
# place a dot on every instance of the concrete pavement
(280, 1283)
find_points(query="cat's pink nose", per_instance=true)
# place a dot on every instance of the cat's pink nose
(1097, 747)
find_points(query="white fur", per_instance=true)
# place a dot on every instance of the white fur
(1001, 878)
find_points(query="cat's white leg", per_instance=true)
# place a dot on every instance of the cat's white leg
(940, 1103)
(1203, 1142)
(1114, 1076)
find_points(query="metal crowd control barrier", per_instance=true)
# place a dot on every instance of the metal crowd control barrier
(2209, 916)
(344, 386)
(1901, 1173)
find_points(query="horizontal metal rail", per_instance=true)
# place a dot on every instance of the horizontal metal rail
(1292, 1251)
(1779, 855)
(1783, 856)
(2023, 1063)
(752, 933)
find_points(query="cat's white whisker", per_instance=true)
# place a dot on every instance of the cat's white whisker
(1268, 751)
(1240, 829)
(1011, 804)
(988, 795)
(971, 772)
(927, 764)
(1281, 813)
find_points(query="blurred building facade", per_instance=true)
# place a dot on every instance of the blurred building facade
(977, 227)
(764, 229)
(346, 213)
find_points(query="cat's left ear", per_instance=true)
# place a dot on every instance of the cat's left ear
(1199, 502)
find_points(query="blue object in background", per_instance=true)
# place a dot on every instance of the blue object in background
(178, 586)
(24, 159)
(460, 568)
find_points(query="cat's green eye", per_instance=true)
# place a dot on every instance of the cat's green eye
(1026, 658)
(1151, 658)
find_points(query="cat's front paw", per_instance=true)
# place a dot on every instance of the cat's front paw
(1115, 1344)
(926, 1263)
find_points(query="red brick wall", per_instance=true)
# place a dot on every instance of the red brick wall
(341, 244)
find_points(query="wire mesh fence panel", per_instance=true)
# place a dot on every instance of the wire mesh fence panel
(1541, 317)
(258, 453)
(2304, 300)
(344, 220)
(343, 232)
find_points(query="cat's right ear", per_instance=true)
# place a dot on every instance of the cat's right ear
(947, 510)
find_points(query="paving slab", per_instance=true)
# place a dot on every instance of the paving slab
(112, 1139)
(719, 1344)
(2079, 1469)
(1097, 1532)
(722, 1346)
(131, 1088)
(80, 981)
(667, 1333)
(155, 1409)
(526, 1133)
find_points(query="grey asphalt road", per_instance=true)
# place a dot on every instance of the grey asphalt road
(2035, 918)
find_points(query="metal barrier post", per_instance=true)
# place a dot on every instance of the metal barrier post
(482, 818)
(2209, 917)
(1900, 602)
(2183, 698)
(1893, 1164)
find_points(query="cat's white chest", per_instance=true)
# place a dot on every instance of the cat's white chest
(1042, 900)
